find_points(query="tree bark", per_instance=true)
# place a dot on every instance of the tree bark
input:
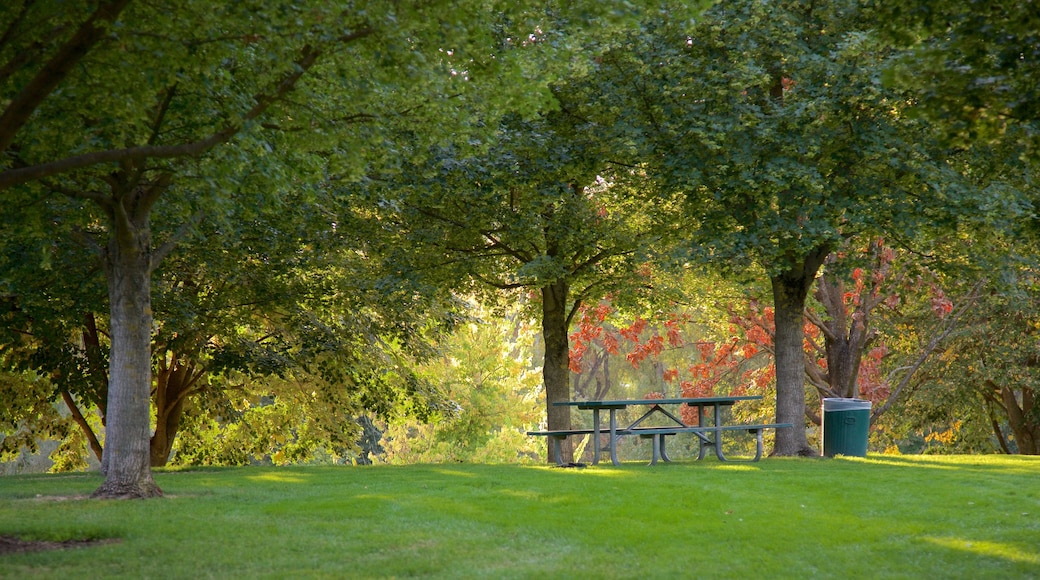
(556, 368)
(96, 363)
(790, 290)
(1026, 432)
(128, 266)
(173, 384)
(845, 340)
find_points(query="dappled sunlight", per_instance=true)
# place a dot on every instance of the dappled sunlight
(591, 470)
(524, 494)
(1009, 464)
(1010, 552)
(278, 477)
(536, 498)
(607, 471)
(454, 472)
(736, 467)
(901, 461)
(906, 520)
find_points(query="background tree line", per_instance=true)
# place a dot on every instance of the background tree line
(247, 232)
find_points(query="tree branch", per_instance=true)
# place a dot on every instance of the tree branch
(15, 22)
(149, 196)
(160, 113)
(95, 196)
(603, 254)
(494, 242)
(969, 301)
(18, 111)
(162, 251)
(25, 53)
(188, 389)
(500, 285)
(77, 416)
(308, 56)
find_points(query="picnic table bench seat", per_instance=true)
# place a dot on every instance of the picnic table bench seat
(658, 434)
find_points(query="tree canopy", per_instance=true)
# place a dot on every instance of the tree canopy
(121, 114)
(273, 188)
(773, 121)
(542, 211)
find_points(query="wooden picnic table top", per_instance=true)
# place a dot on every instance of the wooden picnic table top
(621, 403)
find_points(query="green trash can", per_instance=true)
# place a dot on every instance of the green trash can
(846, 424)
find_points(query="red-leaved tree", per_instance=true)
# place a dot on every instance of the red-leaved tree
(846, 353)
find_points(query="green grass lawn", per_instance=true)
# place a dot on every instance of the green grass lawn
(884, 516)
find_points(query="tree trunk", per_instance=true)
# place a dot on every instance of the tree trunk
(556, 368)
(173, 384)
(1025, 430)
(790, 290)
(845, 340)
(96, 363)
(126, 457)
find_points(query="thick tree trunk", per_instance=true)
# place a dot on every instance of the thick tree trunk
(790, 290)
(126, 459)
(556, 369)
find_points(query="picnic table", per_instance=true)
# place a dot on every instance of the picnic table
(707, 435)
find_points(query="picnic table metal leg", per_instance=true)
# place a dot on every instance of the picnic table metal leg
(664, 454)
(718, 434)
(557, 449)
(614, 437)
(703, 441)
(595, 436)
(718, 446)
(758, 447)
(657, 449)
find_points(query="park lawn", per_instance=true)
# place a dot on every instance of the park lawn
(882, 516)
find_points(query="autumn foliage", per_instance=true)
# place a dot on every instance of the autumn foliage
(844, 353)
(642, 341)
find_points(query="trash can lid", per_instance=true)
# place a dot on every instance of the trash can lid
(835, 404)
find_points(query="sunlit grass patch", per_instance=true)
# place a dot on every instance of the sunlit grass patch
(1007, 551)
(278, 477)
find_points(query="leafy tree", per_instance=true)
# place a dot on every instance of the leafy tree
(29, 416)
(279, 290)
(50, 335)
(683, 352)
(542, 210)
(972, 64)
(861, 296)
(494, 396)
(773, 121)
(985, 379)
(122, 116)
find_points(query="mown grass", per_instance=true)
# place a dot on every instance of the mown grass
(896, 517)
